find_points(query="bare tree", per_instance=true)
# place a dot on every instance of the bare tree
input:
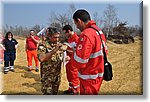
(37, 28)
(110, 19)
(71, 10)
(61, 19)
(97, 19)
(64, 18)
(17, 30)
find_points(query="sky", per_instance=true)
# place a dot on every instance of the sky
(29, 14)
(123, 98)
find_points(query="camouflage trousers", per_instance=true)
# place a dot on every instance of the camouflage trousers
(50, 84)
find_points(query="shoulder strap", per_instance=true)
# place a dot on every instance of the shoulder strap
(105, 57)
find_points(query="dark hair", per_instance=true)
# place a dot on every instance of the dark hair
(67, 27)
(82, 15)
(52, 30)
(6, 37)
(32, 30)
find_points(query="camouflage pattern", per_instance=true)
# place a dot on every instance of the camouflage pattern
(51, 69)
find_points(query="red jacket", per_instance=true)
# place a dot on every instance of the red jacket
(31, 44)
(88, 57)
(72, 41)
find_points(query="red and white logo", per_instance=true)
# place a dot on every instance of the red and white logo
(79, 47)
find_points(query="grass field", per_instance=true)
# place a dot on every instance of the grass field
(127, 69)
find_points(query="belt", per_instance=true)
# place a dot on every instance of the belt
(31, 49)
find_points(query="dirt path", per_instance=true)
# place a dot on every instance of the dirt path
(127, 68)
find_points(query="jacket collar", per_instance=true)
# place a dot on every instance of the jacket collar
(90, 23)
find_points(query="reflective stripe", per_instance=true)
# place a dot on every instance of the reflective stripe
(93, 55)
(6, 68)
(70, 87)
(99, 32)
(96, 54)
(90, 76)
(11, 67)
(80, 60)
(74, 86)
(29, 66)
(103, 44)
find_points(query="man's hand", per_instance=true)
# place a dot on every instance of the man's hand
(32, 36)
(67, 58)
(64, 47)
(58, 46)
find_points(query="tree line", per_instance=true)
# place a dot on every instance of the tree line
(107, 23)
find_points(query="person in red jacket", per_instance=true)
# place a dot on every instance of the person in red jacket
(71, 72)
(31, 50)
(88, 57)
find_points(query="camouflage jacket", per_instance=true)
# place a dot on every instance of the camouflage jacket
(53, 65)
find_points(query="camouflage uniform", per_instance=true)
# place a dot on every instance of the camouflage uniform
(51, 69)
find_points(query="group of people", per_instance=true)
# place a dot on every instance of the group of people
(8, 46)
(85, 62)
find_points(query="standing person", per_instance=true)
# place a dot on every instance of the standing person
(9, 44)
(88, 57)
(50, 56)
(71, 72)
(31, 50)
(1, 49)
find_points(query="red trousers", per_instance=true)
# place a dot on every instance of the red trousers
(30, 55)
(72, 76)
(90, 86)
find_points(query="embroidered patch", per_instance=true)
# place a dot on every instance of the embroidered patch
(79, 47)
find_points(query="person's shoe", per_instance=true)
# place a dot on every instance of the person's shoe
(71, 92)
(68, 92)
(13, 70)
(5, 72)
(76, 93)
(37, 70)
(29, 69)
